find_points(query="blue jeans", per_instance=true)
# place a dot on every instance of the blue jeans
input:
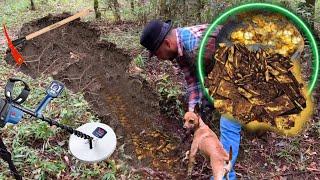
(230, 136)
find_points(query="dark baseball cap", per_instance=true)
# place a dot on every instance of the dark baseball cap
(154, 33)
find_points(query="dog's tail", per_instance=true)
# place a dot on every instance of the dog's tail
(229, 165)
(230, 153)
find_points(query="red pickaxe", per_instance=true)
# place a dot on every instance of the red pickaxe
(14, 52)
(17, 56)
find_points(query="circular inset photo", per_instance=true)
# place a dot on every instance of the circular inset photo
(259, 76)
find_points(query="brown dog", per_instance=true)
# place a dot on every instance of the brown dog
(208, 143)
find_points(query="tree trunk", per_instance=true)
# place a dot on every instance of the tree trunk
(116, 10)
(184, 12)
(162, 8)
(154, 10)
(173, 9)
(32, 6)
(199, 10)
(311, 4)
(132, 6)
(96, 9)
(142, 15)
(144, 12)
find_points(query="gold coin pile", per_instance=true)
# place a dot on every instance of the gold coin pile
(270, 30)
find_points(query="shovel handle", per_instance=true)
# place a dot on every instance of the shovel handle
(58, 24)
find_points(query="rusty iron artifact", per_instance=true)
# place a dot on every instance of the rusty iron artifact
(254, 85)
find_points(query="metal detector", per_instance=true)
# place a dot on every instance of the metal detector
(91, 142)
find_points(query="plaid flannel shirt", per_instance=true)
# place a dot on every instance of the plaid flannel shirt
(189, 39)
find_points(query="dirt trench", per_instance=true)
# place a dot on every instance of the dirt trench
(75, 55)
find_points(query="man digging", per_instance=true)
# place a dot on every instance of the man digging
(182, 44)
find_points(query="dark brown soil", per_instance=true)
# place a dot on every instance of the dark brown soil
(75, 55)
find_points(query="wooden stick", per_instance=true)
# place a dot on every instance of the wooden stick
(58, 24)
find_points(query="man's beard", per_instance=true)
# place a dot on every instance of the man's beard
(172, 55)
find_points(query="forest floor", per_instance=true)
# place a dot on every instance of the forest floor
(109, 79)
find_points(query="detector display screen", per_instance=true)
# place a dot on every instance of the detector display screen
(55, 89)
(99, 132)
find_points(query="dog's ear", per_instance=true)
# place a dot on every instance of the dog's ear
(197, 109)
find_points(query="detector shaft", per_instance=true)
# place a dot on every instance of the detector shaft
(52, 122)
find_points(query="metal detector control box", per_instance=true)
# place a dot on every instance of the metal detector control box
(53, 91)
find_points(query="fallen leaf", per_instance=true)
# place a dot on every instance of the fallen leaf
(284, 168)
(61, 143)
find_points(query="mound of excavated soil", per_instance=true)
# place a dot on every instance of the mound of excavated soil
(74, 55)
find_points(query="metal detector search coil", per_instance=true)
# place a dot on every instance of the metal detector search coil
(104, 143)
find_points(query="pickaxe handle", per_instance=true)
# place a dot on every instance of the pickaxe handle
(51, 27)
